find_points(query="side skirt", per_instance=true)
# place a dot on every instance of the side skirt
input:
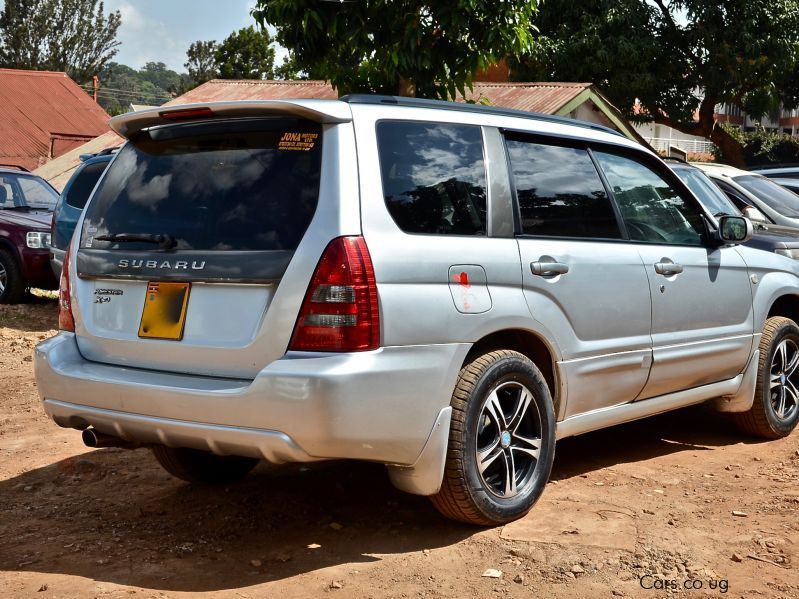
(605, 417)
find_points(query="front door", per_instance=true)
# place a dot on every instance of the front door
(702, 318)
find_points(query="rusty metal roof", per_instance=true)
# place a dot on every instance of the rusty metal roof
(44, 114)
(536, 97)
(220, 90)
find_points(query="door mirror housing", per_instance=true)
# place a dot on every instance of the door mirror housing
(734, 229)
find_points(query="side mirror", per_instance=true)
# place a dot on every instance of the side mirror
(754, 214)
(734, 229)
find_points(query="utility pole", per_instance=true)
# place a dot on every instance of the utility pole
(96, 83)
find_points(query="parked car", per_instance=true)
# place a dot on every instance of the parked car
(443, 288)
(779, 205)
(26, 205)
(778, 171)
(73, 198)
(772, 238)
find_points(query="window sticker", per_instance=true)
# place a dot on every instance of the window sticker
(298, 142)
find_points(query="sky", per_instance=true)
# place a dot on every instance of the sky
(162, 30)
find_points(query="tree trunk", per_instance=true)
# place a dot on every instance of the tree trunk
(731, 151)
(406, 88)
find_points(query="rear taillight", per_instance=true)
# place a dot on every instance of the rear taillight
(340, 311)
(66, 322)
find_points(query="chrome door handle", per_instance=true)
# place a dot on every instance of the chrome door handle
(548, 269)
(668, 268)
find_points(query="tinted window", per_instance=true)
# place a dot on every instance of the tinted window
(249, 184)
(84, 183)
(560, 192)
(433, 177)
(652, 209)
(708, 192)
(780, 199)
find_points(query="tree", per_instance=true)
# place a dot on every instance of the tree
(75, 36)
(678, 59)
(246, 54)
(414, 47)
(202, 62)
(159, 75)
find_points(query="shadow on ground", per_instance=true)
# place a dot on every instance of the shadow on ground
(113, 515)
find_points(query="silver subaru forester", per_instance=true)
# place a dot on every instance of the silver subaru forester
(443, 288)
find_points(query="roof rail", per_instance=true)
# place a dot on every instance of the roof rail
(16, 166)
(466, 107)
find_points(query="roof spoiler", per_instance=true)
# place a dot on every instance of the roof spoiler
(321, 111)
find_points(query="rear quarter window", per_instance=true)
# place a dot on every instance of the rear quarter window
(433, 177)
(238, 185)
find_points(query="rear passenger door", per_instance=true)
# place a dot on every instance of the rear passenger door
(701, 295)
(582, 280)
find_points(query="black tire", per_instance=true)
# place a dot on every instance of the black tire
(202, 467)
(11, 279)
(467, 495)
(775, 410)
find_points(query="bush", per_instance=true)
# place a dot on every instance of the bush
(762, 148)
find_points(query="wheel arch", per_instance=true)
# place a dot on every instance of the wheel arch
(529, 344)
(787, 306)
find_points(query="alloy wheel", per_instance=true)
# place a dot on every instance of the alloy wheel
(508, 440)
(783, 379)
(3, 278)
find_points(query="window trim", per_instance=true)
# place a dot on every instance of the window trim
(564, 142)
(487, 234)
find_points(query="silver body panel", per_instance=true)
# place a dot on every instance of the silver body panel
(624, 341)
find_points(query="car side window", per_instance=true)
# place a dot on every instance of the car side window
(84, 183)
(433, 177)
(559, 191)
(653, 211)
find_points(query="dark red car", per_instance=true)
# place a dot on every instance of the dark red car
(26, 212)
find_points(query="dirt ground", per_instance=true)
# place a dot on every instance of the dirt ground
(642, 510)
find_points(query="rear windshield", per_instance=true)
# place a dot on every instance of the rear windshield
(244, 184)
(83, 184)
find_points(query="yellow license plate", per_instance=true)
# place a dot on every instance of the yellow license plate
(164, 313)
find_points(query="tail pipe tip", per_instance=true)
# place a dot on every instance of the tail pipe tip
(95, 439)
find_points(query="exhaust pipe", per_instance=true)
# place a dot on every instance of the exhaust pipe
(95, 439)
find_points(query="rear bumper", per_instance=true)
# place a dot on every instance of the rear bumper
(379, 406)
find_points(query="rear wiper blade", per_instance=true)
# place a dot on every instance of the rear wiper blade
(165, 242)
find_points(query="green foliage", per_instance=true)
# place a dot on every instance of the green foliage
(153, 84)
(75, 36)
(675, 57)
(428, 48)
(201, 62)
(762, 147)
(246, 54)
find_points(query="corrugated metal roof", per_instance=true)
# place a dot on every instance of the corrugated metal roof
(40, 108)
(537, 97)
(547, 98)
(218, 90)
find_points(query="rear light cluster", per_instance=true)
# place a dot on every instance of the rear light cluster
(340, 311)
(66, 322)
